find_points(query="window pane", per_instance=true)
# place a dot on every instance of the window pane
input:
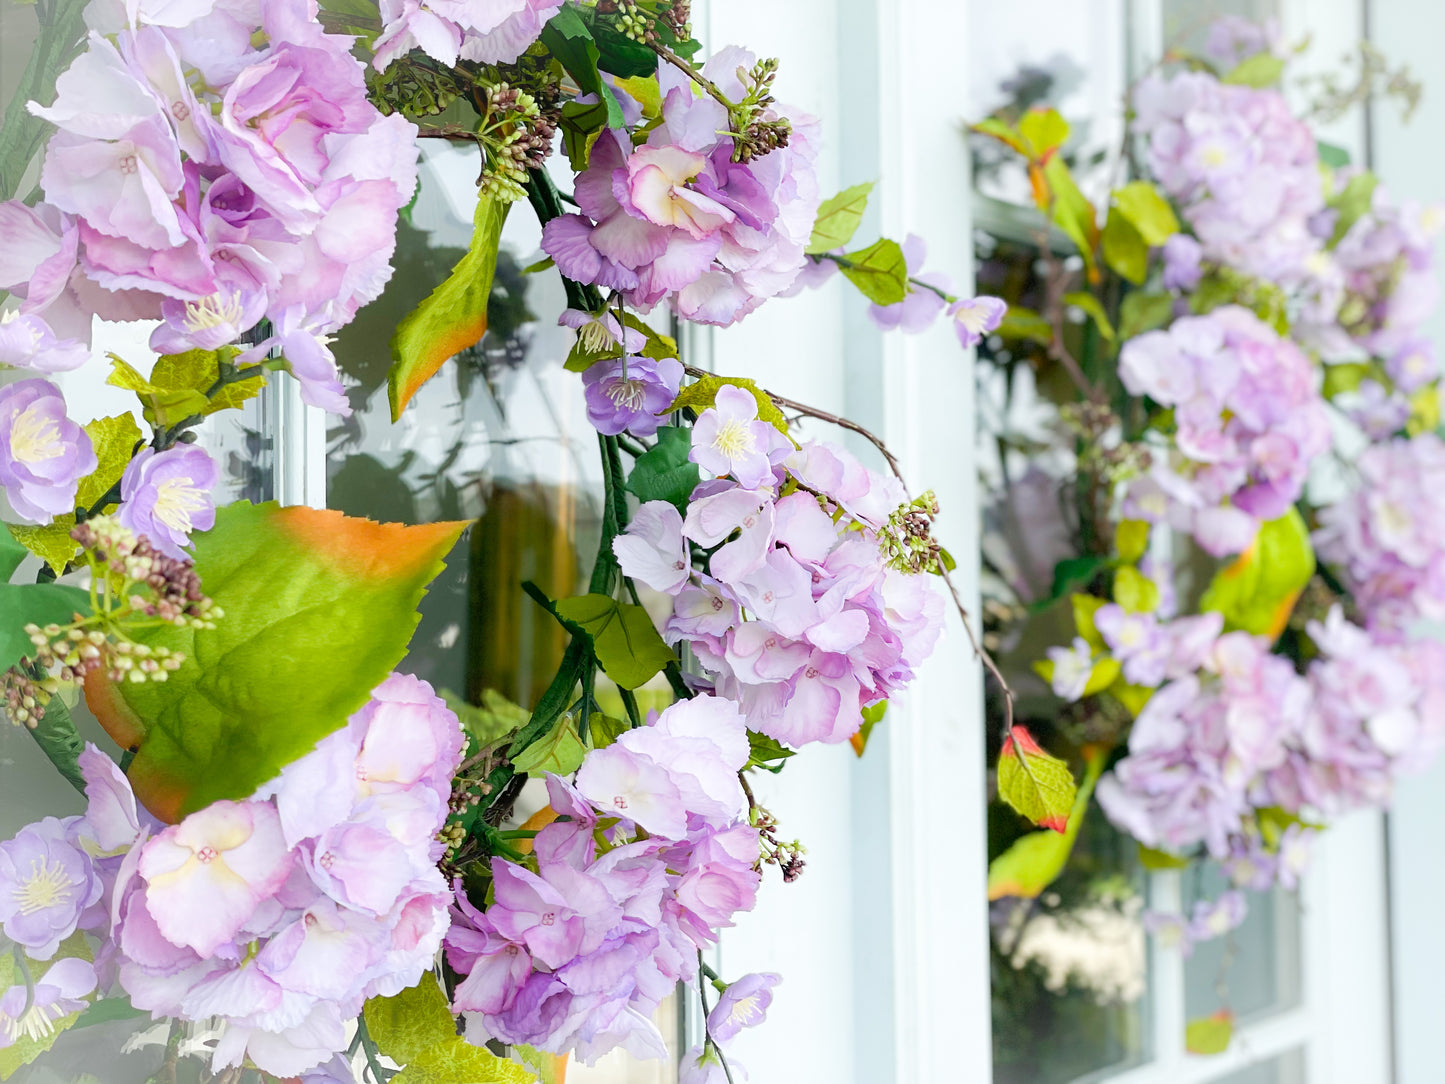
(1187, 21)
(1285, 1069)
(1256, 969)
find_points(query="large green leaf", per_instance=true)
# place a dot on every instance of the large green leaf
(569, 40)
(623, 637)
(416, 1028)
(838, 219)
(879, 271)
(702, 393)
(35, 603)
(1210, 1035)
(664, 472)
(1124, 248)
(1148, 211)
(12, 553)
(560, 751)
(319, 607)
(453, 316)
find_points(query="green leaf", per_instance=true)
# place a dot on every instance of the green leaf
(1134, 591)
(1260, 70)
(1257, 592)
(25, 1049)
(319, 608)
(454, 315)
(1151, 859)
(1074, 214)
(1086, 301)
(1073, 573)
(1352, 203)
(581, 124)
(560, 751)
(494, 719)
(459, 1062)
(1034, 861)
(767, 753)
(663, 472)
(701, 394)
(1008, 136)
(658, 345)
(1332, 156)
(411, 1022)
(1131, 539)
(161, 406)
(1104, 674)
(114, 440)
(623, 637)
(1022, 323)
(1038, 786)
(200, 370)
(1210, 1035)
(1141, 312)
(51, 543)
(570, 42)
(838, 219)
(1146, 209)
(879, 271)
(1345, 377)
(62, 744)
(12, 552)
(1124, 249)
(1085, 606)
(603, 730)
(1045, 130)
(1132, 697)
(34, 603)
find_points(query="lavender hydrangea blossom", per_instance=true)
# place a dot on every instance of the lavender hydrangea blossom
(628, 394)
(48, 884)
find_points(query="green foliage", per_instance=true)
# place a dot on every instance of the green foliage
(114, 440)
(58, 739)
(12, 552)
(61, 34)
(25, 1049)
(1260, 70)
(624, 640)
(1038, 786)
(560, 751)
(201, 370)
(319, 608)
(1210, 1035)
(454, 315)
(1073, 573)
(1147, 211)
(1045, 131)
(32, 603)
(1022, 323)
(1352, 203)
(581, 124)
(1124, 249)
(872, 715)
(663, 472)
(1332, 156)
(1131, 539)
(1073, 213)
(1008, 136)
(1257, 591)
(51, 543)
(838, 219)
(569, 39)
(702, 393)
(1134, 591)
(1091, 306)
(160, 405)
(405, 1025)
(495, 718)
(459, 1062)
(879, 271)
(1035, 860)
(1151, 859)
(766, 753)
(1085, 606)
(1141, 312)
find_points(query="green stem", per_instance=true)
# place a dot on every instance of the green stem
(380, 1075)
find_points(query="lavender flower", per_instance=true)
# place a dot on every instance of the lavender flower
(60, 991)
(1215, 918)
(1073, 666)
(629, 393)
(43, 454)
(47, 884)
(975, 317)
(26, 342)
(743, 1004)
(167, 495)
(729, 439)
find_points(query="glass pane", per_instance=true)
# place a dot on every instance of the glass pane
(1186, 22)
(1255, 970)
(1285, 1069)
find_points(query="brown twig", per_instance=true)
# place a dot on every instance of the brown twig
(1055, 286)
(692, 73)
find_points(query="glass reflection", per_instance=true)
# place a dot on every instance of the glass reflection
(1285, 1069)
(1255, 970)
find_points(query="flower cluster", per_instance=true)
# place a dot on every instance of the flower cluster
(1385, 538)
(1242, 167)
(679, 218)
(275, 917)
(649, 854)
(799, 617)
(213, 167)
(1248, 421)
(486, 31)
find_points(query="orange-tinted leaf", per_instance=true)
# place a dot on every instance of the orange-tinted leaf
(1037, 785)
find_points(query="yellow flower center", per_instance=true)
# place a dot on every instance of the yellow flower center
(176, 501)
(215, 311)
(734, 439)
(46, 886)
(34, 437)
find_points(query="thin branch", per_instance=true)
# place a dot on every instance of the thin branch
(692, 73)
